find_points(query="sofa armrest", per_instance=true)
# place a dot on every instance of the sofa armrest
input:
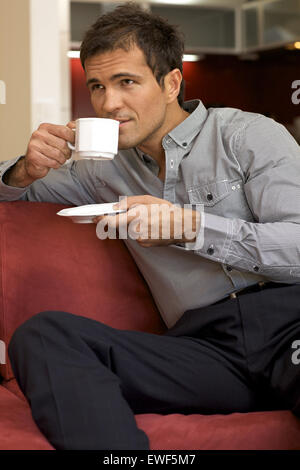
(50, 263)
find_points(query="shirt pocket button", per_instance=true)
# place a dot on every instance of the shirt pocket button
(210, 250)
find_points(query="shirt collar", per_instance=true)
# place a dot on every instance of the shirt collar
(186, 131)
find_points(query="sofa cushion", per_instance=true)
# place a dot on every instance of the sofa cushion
(18, 431)
(50, 263)
(267, 430)
(270, 430)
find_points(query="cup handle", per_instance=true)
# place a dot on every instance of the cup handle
(71, 146)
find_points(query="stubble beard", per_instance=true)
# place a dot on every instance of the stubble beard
(142, 140)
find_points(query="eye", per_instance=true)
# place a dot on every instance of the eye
(128, 81)
(96, 86)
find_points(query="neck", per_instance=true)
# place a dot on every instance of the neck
(153, 146)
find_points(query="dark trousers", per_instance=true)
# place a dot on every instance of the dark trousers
(85, 381)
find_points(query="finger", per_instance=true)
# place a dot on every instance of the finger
(58, 143)
(40, 161)
(145, 199)
(39, 165)
(63, 132)
(145, 243)
(98, 218)
(42, 135)
(71, 124)
(119, 221)
(47, 151)
(136, 212)
(56, 154)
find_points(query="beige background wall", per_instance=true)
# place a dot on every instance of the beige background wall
(34, 41)
(15, 115)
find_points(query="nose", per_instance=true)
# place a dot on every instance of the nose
(112, 102)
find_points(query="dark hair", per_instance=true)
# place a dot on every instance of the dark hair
(129, 25)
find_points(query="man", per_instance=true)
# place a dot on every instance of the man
(230, 301)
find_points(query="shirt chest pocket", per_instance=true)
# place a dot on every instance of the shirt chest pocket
(223, 197)
(209, 194)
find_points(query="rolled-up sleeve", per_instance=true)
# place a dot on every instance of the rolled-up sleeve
(270, 161)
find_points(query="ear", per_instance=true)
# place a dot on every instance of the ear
(172, 82)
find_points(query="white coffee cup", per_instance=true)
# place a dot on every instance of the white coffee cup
(96, 138)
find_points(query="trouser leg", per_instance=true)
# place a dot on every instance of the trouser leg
(75, 399)
(85, 380)
(272, 333)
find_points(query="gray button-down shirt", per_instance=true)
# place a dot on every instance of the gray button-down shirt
(245, 170)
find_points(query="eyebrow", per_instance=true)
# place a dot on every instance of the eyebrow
(114, 77)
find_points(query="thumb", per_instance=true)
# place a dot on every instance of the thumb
(71, 124)
(122, 204)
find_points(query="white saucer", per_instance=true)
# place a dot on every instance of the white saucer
(85, 214)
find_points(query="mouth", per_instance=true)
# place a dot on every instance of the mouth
(123, 122)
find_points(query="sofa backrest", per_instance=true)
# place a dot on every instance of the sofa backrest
(49, 263)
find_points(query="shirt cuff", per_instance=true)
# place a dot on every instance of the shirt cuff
(214, 238)
(198, 243)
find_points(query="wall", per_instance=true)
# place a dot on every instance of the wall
(81, 106)
(15, 115)
(34, 41)
(50, 78)
(262, 86)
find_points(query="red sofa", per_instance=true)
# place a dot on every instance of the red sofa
(47, 263)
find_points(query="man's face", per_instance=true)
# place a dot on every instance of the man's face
(123, 87)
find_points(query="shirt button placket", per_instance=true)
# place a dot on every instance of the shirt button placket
(171, 172)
